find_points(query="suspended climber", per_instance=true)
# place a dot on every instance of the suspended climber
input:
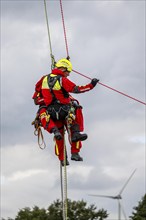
(57, 108)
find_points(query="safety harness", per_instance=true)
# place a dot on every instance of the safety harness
(56, 110)
(51, 83)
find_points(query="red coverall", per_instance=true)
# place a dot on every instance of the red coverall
(43, 96)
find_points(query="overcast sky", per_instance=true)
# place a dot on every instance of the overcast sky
(106, 40)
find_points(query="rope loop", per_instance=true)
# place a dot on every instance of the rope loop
(38, 132)
(41, 142)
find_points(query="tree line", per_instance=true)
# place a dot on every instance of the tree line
(76, 210)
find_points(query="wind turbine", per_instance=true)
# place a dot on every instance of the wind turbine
(118, 197)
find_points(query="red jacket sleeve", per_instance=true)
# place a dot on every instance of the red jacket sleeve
(69, 86)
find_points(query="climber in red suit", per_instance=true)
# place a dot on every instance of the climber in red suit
(58, 108)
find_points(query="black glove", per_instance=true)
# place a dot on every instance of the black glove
(94, 82)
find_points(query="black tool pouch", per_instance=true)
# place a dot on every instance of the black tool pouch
(58, 111)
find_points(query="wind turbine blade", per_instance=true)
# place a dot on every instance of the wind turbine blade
(123, 211)
(111, 197)
(127, 182)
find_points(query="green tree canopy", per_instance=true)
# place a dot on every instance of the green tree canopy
(78, 210)
(139, 212)
(35, 214)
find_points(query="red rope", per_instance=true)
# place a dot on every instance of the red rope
(85, 75)
(111, 88)
(64, 28)
(81, 74)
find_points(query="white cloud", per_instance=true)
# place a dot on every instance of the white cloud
(22, 175)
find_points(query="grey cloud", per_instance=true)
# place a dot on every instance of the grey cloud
(106, 40)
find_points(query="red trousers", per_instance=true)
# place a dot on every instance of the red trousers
(48, 124)
(60, 144)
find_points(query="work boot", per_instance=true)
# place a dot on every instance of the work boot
(76, 135)
(76, 157)
(63, 162)
(57, 134)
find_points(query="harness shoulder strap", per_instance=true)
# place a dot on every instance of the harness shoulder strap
(53, 80)
(51, 83)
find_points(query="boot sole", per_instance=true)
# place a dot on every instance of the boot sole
(76, 159)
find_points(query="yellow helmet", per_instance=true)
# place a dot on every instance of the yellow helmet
(64, 63)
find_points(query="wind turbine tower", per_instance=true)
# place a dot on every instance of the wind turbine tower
(118, 197)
